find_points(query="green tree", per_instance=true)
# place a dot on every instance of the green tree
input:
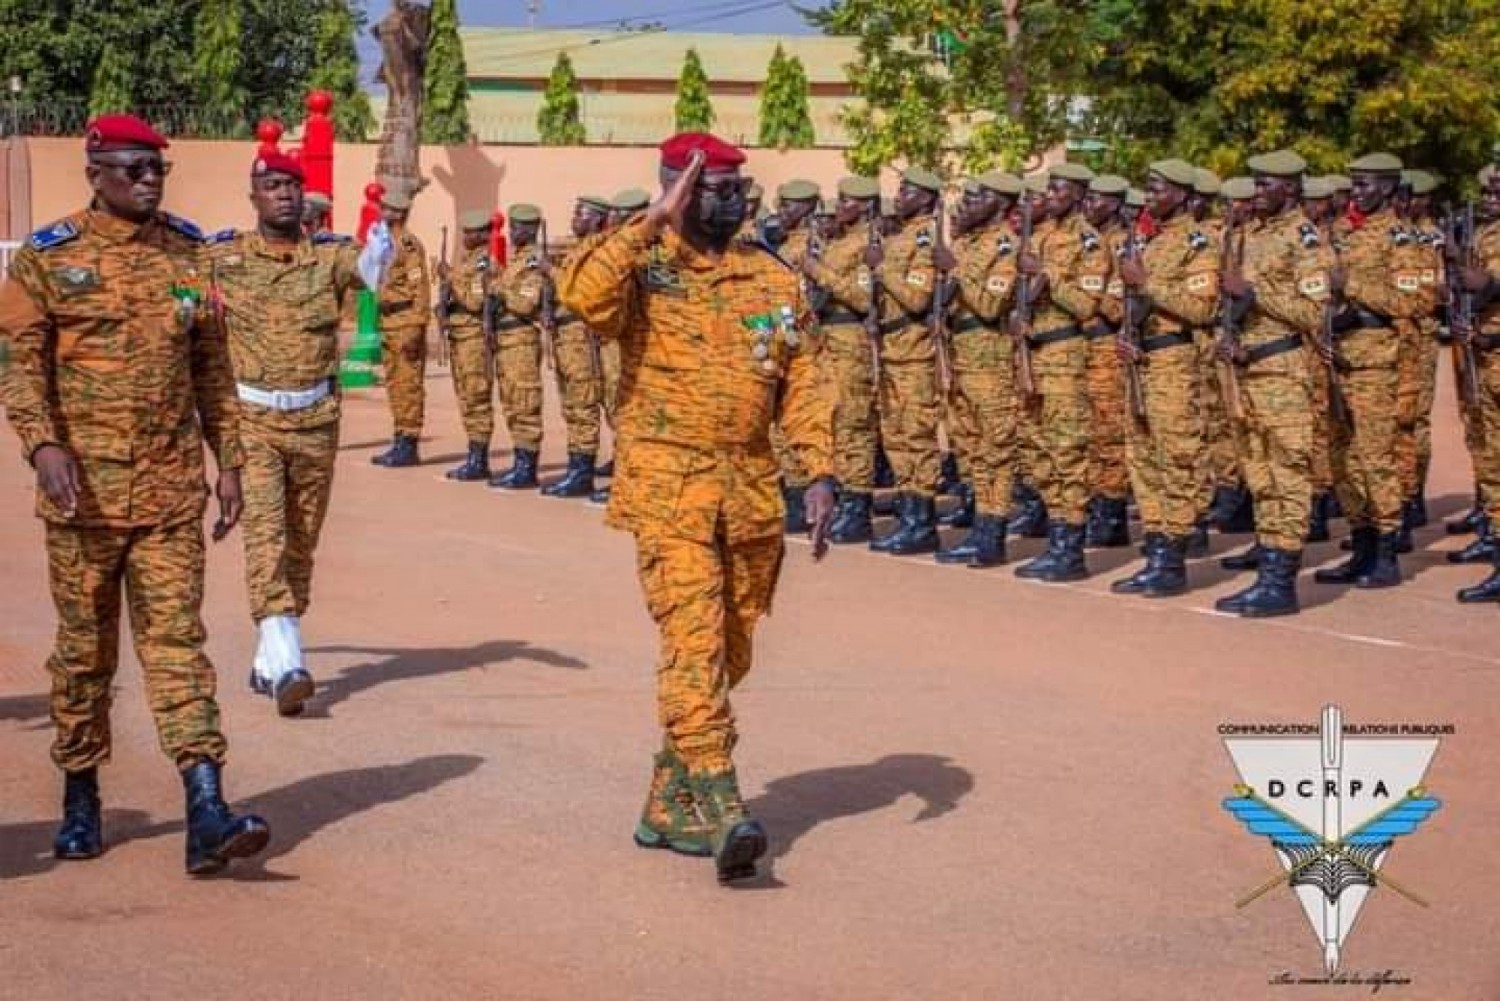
(785, 120)
(336, 70)
(218, 47)
(111, 89)
(445, 88)
(694, 111)
(558, 122)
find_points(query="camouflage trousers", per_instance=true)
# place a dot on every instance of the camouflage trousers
(1061, 459)
(288, 478)
(1364, 456)
(609, 362)
(1028, 443)
(1167, 465)
(403, 352)
(1416, 391)
(580, 386)
(518, 364)
(1276, 438)
(1322, 431)
(909, 424)
(1108, 473)
(160, 570)
(473, 383)
(856, 427)
(1485, 444)
(982, 414)
(706, 598)
(1222, 457)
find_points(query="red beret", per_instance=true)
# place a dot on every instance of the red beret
(273, 162)
(108, 132)
(717, 154)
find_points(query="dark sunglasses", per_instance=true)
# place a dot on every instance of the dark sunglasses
(137, 170)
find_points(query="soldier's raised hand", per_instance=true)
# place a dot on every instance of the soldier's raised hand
(668, 209)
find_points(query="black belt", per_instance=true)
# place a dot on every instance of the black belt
(1366, 320)
(968, 324)
(510, 323)
(1098, 329)
(1271, 349)
(564, 318)
(1486, 342)
(897, 325)
(842, 316)
(1163, 341)
(1056, 335)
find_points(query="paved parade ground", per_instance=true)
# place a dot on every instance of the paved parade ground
(975, 786)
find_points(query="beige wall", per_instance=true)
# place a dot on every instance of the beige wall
(208, 183)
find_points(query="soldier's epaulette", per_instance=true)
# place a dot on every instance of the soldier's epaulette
(222, 236)
(54, 235)
(1308, 233)
(1400, 237)
(1090, 240)
(183, 226)
(1197, 240)
(321, 238)
(924, 237)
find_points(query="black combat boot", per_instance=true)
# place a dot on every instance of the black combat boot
(1275, 589)
(984, 546)
(796, 522)
(403, 452)
(1108, 526)
(1418, 504)
(1365, 542)
(1386, 570)
(1136, 583)
(1317, 517)
(1221, 508)
(917, 532)
(1197, 540)
(1467, 522)
(522, 473)
(600, 496)
(851, 523)
(961, 516)
(1238, 514)
(948, 478)
(214, 835)
(81, 835)
(1063, 559)
(1481, 550)
(1030, 518)
(475, 467)
(1170, 579)
(1486, 590)
(1248, 560)
(1404, 541)
(882, 544)
(578, 481)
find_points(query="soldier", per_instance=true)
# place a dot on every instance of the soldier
(1481, 549)
(983, 401)
(115, 382)
(405, 306)
(1173, 291)
(316, 210)
(1108, 474)
(279, 296)
(580, 371)
(521, 287)
(712, 329)
(1419, 357)
(796, 202)
(1317, 206)
(908, 401)
(843, 276)
(1379, 290)
(1278, 296)
(1338, 202)
(621, 207)
(1206, 190)
(471, 347)
(1070, 268)
(1029, 519)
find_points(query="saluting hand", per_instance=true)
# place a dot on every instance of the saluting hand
(57, 476)
(667, 210)
(231, 502)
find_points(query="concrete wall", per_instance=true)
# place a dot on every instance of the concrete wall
(210, 179)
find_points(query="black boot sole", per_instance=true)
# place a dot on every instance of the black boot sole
(744, 845)
(248, 842)
(1268, 613)
(76, 854)
(1465, 598)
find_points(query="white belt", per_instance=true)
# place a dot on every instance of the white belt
(285, 399)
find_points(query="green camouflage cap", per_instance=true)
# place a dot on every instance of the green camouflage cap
(1377, 163)
(595, 202)
(1076, 172)
(1178, 172)
(798, 191)
(1339, 182)
(1135, 198)
(1316, 189)
(1421, 182)
(1281, 163)
(1109, 184)
(1206, 182)
(924, 179)
(629, 200)
(1238, 189)
(525, 212)
(999, 180)
(474, 219)
(859, 187)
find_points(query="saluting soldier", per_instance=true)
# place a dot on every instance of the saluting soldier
(117, 377)
(471, 351)
(518, 347)
(405, 310)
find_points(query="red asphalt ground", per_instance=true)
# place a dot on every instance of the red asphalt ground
(976, 787)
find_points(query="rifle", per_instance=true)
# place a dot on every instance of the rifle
(937, 317)
(1020, 317)
(1130, 333)
(1338, 406)
(877, 293)
(1463, 318)
(444, 302)
(548, 308)
(489, 310)
(1231, 257)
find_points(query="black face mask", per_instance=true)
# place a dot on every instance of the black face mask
(722, 215)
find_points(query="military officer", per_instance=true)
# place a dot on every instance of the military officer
(405, 308)
(471, 342)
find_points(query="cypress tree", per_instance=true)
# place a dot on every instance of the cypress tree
(785, 119)
(218, 61)
(558, 122)
(694, 110)
(445, 89)
(109, 91)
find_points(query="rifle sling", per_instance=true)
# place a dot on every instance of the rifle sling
(1056, 335)
(1271, 349)
(1160, 342)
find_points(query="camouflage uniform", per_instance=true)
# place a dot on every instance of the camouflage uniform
(1417, 381)
(793, 251)
(1484, 441)
(469, 354)
(1108, 472)
(518, 355)
(113, 359)
(908, 389)
(848, 357)
(405, 306)
(580, 370)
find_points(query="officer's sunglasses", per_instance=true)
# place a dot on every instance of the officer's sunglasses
(137, 169)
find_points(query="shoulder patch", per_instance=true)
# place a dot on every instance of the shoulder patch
(1004, 246)
(924, 238)
(222, 236)
(1090, 240)
(322, 238)
(1308, 233)
(1399, 236)
(54, 235)
(183, 226)
(1197, 240)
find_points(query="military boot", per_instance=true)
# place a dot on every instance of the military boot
(1486, 590)
(475, 467)
(917, 532)
(1248, 560)
(81, 835)
(1469, 521)
(851, 523)
(577, 481)
(983, 546)
(796, 522)
(1404, 541)
(1481, 550)
(605, 471)
(1152, 545)
(886, 504)
(214, 835)
(1109, 527)
(1063, 559)
(522, 473)
(1317, 517)
(1385, 571)
(1197, 540)
(1418, 504)
(737, 840)
(1275, 589)
(882, 544)
(403, 452)
(1238, 516)
(962, 514)
(1030, 518)
(1221, 508)
(600, 496)
(670, 818)
(1170, 579)
(1365, 543)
